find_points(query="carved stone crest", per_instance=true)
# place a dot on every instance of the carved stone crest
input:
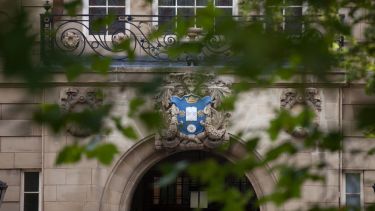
(78, 100)
(189, 104)
(292, 98)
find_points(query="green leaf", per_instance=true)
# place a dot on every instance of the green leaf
(228, 103)
(151, 87)
(101, 64)
(134, 105)
(171, 172)
(277, 124)
(152, 119)
(126, 45)
(70, 154)
(276, 152)
(332, 141)
(126, 131)
(366, 121)
(72, 6)
(104, 153)
(90, 119)
(371, 151)
(101, 22)
(252, 144)
(74, 69)
(51, 115)
(130, 132)
(286, 121)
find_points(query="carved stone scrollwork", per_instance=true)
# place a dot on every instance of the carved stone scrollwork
(189, 104)
(292, 98)
(78, 100)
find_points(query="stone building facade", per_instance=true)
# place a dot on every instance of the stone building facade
(88, 186)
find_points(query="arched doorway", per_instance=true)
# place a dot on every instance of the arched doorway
(125, 176)
(185, 193)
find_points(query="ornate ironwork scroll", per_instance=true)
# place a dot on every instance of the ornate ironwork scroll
(77, 36)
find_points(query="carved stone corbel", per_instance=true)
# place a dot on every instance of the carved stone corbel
(291, 98)
(77, 100)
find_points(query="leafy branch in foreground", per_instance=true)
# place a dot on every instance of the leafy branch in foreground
(263, 53)
(104, 153)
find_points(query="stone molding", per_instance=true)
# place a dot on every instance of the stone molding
(120, 74)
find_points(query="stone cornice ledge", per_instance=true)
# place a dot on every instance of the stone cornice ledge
(129, 75)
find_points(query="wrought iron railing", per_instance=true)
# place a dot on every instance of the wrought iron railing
(76, 35)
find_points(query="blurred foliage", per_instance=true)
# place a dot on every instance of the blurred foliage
(287, 122)
(57, 120)
(126, 131)
(261, 52)
(104, 153)
(366, 121)
(171, 171)
(72, 7)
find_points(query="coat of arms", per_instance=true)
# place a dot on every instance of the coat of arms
(189, 103)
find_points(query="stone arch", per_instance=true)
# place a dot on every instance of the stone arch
(133, 164)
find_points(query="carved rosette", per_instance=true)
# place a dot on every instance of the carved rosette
(215, 122)
(71, 40)
(119, 38)
(292, 98)
(78, 100)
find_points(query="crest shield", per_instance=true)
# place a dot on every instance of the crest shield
(192, 121)
(191, 113)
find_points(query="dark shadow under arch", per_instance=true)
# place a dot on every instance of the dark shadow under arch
(178, 195)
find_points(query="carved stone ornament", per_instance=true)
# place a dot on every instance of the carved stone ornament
(119, 38)
(189, 104)
(292, 98)
(78, 100)
(71, 40)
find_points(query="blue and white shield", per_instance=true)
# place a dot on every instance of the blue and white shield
(191, 113)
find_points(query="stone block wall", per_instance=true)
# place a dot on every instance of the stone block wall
(20, 141)
(355, 157)
(13, 179)
(252, 116)
(27, 146)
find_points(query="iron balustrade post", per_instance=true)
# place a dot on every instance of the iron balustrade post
(46, 37)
